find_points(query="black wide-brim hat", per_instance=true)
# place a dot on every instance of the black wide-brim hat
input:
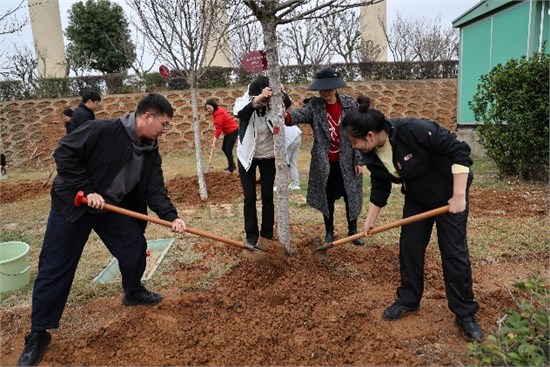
(327, 78)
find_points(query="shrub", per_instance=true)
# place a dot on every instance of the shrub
(11, 90)
(522, 338)
(53, 87)
(153, 82)
(512, 102)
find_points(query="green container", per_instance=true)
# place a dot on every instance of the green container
(14, 265)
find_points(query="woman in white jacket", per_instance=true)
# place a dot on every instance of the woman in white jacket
(255, 150)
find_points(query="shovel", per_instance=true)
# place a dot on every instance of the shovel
(81, 199)
(385, 227)
(210, 168)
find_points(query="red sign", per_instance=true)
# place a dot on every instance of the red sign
(164, 72)
(254, 61)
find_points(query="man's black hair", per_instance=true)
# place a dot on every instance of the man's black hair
(155, 103)
(91, 95)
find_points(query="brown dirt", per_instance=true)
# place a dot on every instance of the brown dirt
(300, 312)
(222, 187)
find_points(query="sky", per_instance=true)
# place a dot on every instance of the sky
(446, 10)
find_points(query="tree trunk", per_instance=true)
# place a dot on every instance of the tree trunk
(203, 192)
(269, 27)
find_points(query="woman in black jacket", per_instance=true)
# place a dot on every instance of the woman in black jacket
(433, 168)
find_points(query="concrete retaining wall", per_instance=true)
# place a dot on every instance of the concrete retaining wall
(31, 129)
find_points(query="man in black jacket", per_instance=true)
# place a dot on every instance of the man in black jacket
(85, 110)
(115, 161)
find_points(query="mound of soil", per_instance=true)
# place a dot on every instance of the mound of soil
(23, 190)
(222, 188)
(302, 311)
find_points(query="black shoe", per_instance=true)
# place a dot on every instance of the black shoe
(329, 237)
(35, 344)
(397, 311)
(352, 229)
(357, 242)
(141, 296)
(471, 329)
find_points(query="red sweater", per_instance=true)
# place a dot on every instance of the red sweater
(225, 123)
(334, 111)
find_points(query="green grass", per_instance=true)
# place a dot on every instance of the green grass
(491, 238)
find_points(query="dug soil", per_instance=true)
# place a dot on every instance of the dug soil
(302, 311)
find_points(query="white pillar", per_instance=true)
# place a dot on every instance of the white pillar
(48, 38)
(371, 29)
(219, 30)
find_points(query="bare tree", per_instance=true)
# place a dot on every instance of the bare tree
(347, 40)
(367, 51)
(307, 41)
(11, 22)
(398, 46)
(243, 39)
(79, 62)
(272, 14)
(22, 65)
(186, 35)
(420, 39)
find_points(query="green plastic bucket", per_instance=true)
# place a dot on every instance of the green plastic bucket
(14, 265)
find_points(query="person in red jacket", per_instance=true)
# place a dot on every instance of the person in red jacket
(225, 124)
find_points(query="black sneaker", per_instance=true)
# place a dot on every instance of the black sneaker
(397, 311)
(141, 296)
(357, 242)
(471, 329)
(35, 344)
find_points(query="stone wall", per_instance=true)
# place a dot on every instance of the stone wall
(31, 128)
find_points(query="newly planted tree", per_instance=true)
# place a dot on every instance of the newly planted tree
(186, 35)
(272, 14)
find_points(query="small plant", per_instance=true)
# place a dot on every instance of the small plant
(522, 338)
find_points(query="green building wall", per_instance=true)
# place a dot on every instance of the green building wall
(491, 33)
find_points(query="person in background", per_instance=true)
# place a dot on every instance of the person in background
(115, 161)
(433, 168)
(255, 150)
(86, 109)
(225, 124)
(3, 168)
(335, 168)
(67, 115)
(293, 141)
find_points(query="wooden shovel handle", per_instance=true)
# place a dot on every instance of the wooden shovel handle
(81, 199)
(397, 223)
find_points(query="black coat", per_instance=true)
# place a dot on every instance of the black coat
(423, 153)
(90, 158)
(315, 114)
(81, 114)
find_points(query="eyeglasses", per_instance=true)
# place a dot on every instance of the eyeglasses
(165, 124)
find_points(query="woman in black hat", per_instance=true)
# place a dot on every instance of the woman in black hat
(335, 169)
